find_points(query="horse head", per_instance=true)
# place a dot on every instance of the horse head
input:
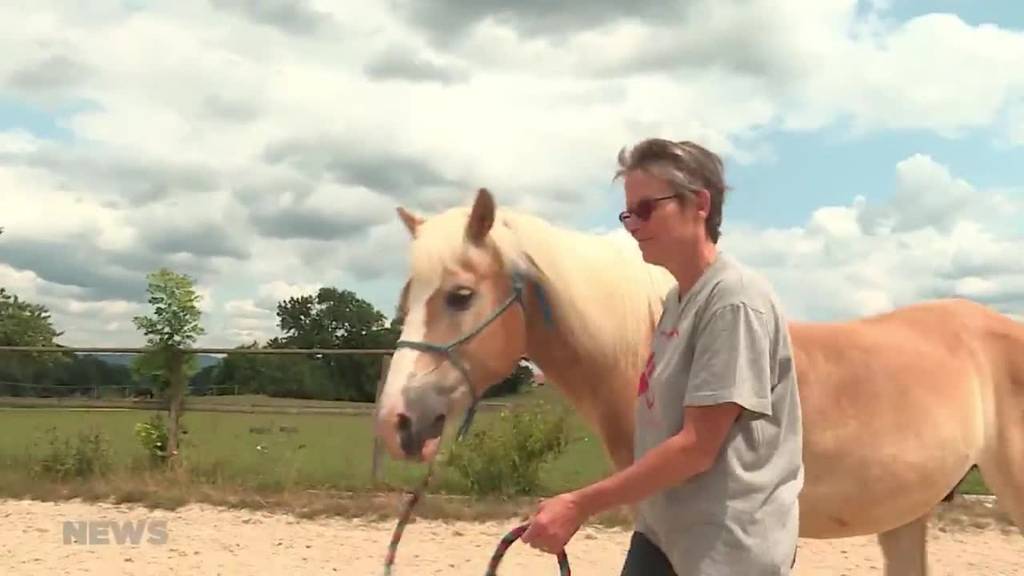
(463, 327)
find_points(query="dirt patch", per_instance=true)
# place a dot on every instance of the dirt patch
(204, 539)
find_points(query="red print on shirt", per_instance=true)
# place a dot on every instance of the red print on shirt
(645, 382)
(643, 389)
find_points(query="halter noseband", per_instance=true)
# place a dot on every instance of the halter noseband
(448, 350)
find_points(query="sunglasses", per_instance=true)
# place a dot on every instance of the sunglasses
(643, 209)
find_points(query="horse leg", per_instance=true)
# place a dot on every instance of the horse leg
(1002, 458)
(904, 549)
(1002, 467)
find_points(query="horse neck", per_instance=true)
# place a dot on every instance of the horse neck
(604, 304)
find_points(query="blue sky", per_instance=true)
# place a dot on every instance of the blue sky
(18, 114)
(1003, 13)
(828, 168)
(264, 152)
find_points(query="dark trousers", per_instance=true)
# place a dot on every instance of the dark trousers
(644, 558)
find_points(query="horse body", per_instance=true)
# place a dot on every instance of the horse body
(896, 407)
(893, 409)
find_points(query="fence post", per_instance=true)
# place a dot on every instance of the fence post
(375, 466)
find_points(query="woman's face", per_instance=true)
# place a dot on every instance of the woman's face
(661, 221)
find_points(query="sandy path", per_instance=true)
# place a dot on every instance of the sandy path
(212, 541)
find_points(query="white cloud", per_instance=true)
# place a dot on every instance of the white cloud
(263, 150)
(273, 292)
(835, 266)
(84, 322)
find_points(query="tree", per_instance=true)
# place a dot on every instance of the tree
(334, 318)
(173, 327)
(25, 324)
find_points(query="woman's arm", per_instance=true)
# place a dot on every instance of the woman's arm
(686, 454)
(692, 451)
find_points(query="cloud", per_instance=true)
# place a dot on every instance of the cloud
(840, 264)
(447, 18)
(926, 195)
(818, 64)
(120, 175)
(390, 171)
(271, 293)
(327, 212)
(291, 16)
(262, 147)
(50, 73)
(405, 63)
(84, 321)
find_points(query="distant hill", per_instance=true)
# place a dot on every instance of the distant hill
(126, 359)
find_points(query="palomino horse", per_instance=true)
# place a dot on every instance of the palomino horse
(896, 407)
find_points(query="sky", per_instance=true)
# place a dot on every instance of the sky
(874, 150)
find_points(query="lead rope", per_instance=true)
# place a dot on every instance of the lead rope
(499, 553)
(403, 520)
(496, 558)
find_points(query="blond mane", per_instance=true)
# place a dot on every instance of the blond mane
(605, 299)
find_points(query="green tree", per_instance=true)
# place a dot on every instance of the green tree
(334, 318)
(23, 323)
(173, 327)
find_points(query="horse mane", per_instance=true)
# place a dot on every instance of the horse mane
(605, 299)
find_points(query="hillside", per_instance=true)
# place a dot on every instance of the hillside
(205, 360)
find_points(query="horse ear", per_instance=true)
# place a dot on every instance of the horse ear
(481, 218)
(410, 220)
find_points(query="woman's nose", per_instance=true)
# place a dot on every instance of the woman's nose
(632, 225)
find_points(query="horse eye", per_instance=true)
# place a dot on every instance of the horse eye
(459, 298)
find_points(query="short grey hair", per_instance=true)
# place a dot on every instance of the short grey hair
(686, 166)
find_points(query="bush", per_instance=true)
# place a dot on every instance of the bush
(153, 437)
(88, 456)
(504, 457)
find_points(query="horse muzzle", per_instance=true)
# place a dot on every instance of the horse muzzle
(419, 439)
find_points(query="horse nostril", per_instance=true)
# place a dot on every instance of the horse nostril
(436, 427)
(406, 438)
(404, 423)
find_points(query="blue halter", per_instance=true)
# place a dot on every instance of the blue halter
(519, 280)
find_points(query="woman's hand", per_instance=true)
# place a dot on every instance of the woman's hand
(555, 522)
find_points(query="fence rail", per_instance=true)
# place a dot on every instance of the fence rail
(202, 350)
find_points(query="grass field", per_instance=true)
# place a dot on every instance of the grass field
(268, 451)
(265, 453)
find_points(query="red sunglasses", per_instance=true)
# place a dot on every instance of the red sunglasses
(643, 209)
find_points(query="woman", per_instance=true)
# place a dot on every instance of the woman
(718, 446)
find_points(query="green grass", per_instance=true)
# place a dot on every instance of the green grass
(271, 451)
(973, 484)
(249, 458)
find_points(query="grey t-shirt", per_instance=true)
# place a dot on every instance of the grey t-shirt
(725, 340)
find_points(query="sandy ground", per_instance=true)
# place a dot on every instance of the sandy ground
(211, 541)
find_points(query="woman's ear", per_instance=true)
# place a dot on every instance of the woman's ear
(703, 202)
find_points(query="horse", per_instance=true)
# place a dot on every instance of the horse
(897, 406)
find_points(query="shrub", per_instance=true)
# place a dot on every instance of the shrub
(88, 456)
(153, 437)
(504, 457)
